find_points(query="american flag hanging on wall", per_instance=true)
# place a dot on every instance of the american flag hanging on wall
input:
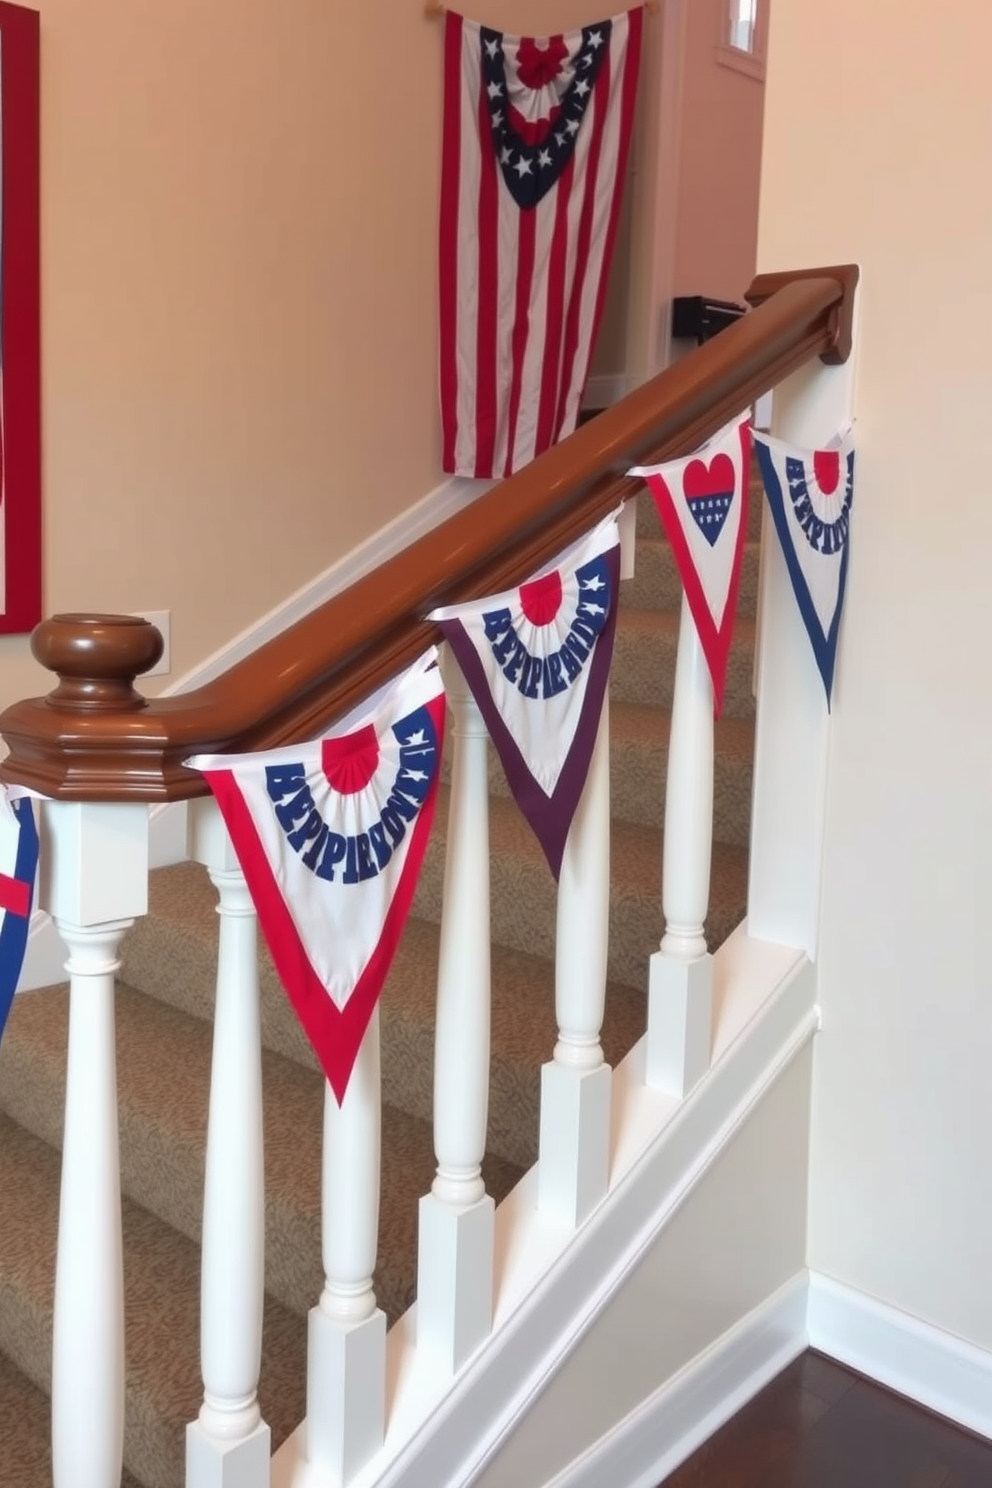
(536, 137)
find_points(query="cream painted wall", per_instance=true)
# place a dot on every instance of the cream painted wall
(878, 148)
(739, 1236)
(238, 282)
(719, 162)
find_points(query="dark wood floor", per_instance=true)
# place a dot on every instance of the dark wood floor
(818, 1425)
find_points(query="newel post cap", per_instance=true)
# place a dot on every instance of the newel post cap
(96, 659)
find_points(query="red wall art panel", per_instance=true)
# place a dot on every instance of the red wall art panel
(20, 360)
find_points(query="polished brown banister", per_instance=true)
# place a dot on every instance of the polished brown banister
(95, 738)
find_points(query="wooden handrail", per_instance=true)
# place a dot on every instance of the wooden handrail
(95, 738)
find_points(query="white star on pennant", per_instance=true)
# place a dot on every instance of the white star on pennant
(572, 125)
(561, 137)
(494, 90)
(582, 88)
(492, 47)
(592, 609)
(595, 38)
(497, 118)
(587, 60)
(522, 167)
(415, 775)
(595, 583)
(505, 155)
(544, 158)
(418, 738)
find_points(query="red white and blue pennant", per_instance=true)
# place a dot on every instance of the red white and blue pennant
(18, 868)
(331, 837)
(702, 503)
(810, 493)
(537, 660)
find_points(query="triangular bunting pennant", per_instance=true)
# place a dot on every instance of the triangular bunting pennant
(537, 661)
(810, 493)
(18, 867)
(702, 502)
(331, 836)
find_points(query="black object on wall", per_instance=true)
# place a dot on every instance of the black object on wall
(698, 318)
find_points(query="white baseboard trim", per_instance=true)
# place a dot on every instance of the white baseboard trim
(605, 389)
(686, 1410)
(934, 1368)
(452, 496)
(555, 1284)
(167, 841)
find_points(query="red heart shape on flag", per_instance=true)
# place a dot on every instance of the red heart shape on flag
(714, 479)
(539, 66)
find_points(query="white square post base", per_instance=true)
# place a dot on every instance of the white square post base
(454, 1279)
(346, 1393)
(574, 1166)
(680, 1011)
(211, 1463)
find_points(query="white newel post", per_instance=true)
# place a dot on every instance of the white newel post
(346, 1362)
(93, 882)
(681, 975)
(573, 1172)
(455, 1260)
(228, 1446)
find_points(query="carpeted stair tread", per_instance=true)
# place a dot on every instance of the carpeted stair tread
(523, 891)
(26, 1432)
(657, 584)
(644, 662)
(639, 765)
(172, 955)
(161, 1305)
(163, 1067)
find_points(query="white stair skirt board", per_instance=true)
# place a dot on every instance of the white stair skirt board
(934, 1368)
(687, 1409)
(44, 961)
(553, 1283)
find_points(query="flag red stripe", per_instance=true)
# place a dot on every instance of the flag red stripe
(550, 380)
(488, 293)
(15, 895)
(448, 257)
(598, 107)
(521, 322)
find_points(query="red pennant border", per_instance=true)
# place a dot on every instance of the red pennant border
(714, 639)
(335, 1033)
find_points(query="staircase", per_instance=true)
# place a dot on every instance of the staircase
(164, 1008)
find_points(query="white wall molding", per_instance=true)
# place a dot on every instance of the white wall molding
(688, 1408)
(934, 1368)
(44, 961)
(452, 496)
(555, 1284)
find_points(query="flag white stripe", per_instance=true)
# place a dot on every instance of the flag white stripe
(468, 258)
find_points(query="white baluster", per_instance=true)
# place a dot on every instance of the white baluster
(346, 1364)
(455, 1263)
(575, 1085)
(680, 980)
(229, 1445)
(93, 881)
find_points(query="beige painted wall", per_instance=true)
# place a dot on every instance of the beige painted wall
(238, 271)
(878, 147)
(738, 1238)
(720, 162)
